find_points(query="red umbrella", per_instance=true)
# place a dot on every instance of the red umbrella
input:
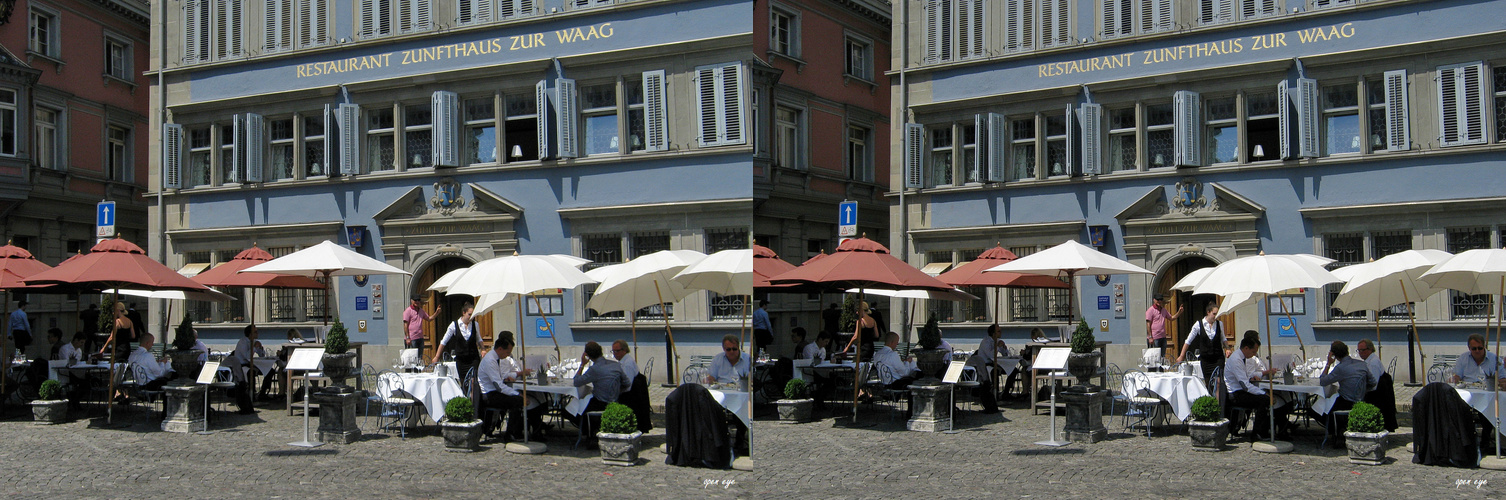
(229, 274)
(860, 263)
(19, 263)
(971, 273)
(765, 264)
(115, 263)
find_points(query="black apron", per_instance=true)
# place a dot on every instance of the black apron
(467, 351)
(1210, 351)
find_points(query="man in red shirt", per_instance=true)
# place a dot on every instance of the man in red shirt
(1155, 324)
(413, 323)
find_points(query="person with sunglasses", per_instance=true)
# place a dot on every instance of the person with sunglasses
(1477, 365)
(733, 366)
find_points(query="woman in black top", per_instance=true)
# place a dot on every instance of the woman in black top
(463, 341)
(866, 329)
(1207, 339)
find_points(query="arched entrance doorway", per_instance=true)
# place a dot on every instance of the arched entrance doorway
(1193, 305)
(450, 304)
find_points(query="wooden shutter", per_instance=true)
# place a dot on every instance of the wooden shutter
(370, 16)
(193, 31)
(706, 106)
(731, 88)
(414, 15)
(1461, 101)
(656, 120)
(933, 31)
(981, 148)
(1118, 18)
(254, 146)
(473, 11)
(172, 156)
(1056, 23)
(719, 98)
(313, 22)
(1398, 129)
(1069, 154)
(1284, 117)
(447, 129)
(998, 144)
(970, 28)
(567, 116)
(1019, 25)
(1188, 122)
(1156, 16)
(544, 131)
(228, 23)
(349, 120)
(1091, 117)
(1215, 11)
(278, 34)
(915, 141)
(1309, 118)
(329, 140)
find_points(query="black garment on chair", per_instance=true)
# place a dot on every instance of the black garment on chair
(637, 399)
(1443, 430)
(1384, 399)
(695, 429)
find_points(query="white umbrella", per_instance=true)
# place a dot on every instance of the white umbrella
(728, 272)
(1190, 281)
(205, 295)
(570, 259)
(497, 280)
(1266, 274)
(325, 259)
(1070, 258)
(1392, 280)
(642, 282)
(442, 284)
(1477, 271)
(954, 294)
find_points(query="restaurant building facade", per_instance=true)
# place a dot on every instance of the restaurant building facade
(1178, 135)
(433, 135)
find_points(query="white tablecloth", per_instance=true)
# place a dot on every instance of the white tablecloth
(579, 396)
(1484, 402)
(1326, 396)
(431, 390)
(1180, 391)
(735, 402)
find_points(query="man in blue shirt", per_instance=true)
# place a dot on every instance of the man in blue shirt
(20, 328)
(606, 378)
(733, 366)
(1478, 365)
(763, 331)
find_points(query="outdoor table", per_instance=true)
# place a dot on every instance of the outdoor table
(1483, 401)
(1324, 396)
(1177, 390)
(431, 390)
(735, 402)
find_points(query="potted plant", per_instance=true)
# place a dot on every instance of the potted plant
(929, 359)
(619, 435)
(796, 405)
(50, 407)
(1366, 437)
(339, 362)
(185, 359)
(1083, 362)
(461, 428)
(1208, 428)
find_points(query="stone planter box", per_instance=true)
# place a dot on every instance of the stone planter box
(464, 437)
(338, 368)
(1208, 436)
(49, 412)
(1366, 448)
(185, 364)
(794, 411)
(1083, 367)
(619, 449)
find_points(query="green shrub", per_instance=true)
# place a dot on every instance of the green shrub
(51, 390)
(849, 319)
(106, 314)
(795, 389)
(459, 410)
(930, 335)
(1365, 417)
(1082, 338)
(1206, 409)
(618, 419)
(336, 342)
(184, 336)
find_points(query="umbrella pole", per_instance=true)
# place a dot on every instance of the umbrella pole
(5, 341)
(1412, 318)
(327, 286)
(1499, 306)
(1271, 384)
(523, 346)
(669, 353)
(109, 344)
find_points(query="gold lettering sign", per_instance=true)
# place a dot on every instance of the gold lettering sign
(455, 51)
(1197, 50)
(1191, 227)
(473, 227)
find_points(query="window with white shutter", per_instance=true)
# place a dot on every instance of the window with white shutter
(313, 23)
(196, 31)
(936, 48)
(473, 11)
(970, 22)
(508, 9)
(1188, 124)
(915, 138)
(1325, 4)
(566, 117)
(1090, 115)
(230, 151)
(228, 20)
(1019, 25)
(1056, 25)
(1254, 9)
(656, 116)
(446, 128)
(414, 15)
(277, 33)
(1461, 103)
(998, 145)
(172, 165)
(719, 95)
(1118, 18)
(1398, 123)
(1215, 11)
(542, 125)
(375, 18)
(348, 119)
(1156, 16)
(1308, 117)
(254, 146)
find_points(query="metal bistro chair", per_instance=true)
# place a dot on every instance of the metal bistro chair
(693, 374)
(648, 372)
(968, 383)
(1143, 407)
(138, 372)
(1438, 372)
(393, 407)
(891, 395)
(369, 380)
